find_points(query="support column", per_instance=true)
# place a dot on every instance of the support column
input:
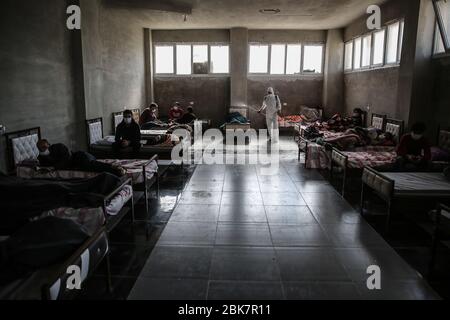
(238, 69)
(333, 82)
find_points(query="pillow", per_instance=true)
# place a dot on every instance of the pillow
(438, 154)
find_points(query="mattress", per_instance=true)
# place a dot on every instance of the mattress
(133, 167)
(374, 159)
(153, 132)
(419, 183)
(93, 218)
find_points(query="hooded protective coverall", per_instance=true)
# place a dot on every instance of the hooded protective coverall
(272, 105)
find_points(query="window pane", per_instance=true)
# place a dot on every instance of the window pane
(357, 55)
(277, 60)
(378, 49)
(348, 55)
(184, 59)
(294, 54)
(312, 59)
(366, 51)
(220, 59)
(444, 8)
(402, 29)
(163, 59)
(392, 44)
(259, 57)
(438, 43)
(200, 59)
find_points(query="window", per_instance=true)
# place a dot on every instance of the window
(285, 59)
(349, 55)
(187, 59)
(259, 58)
(366, 50)
(400, 46)
(277, 59)
(357, 55)
(293, 59)
(378, 47)
(164, 59)
(220, 59)
(392, 43)
(200, 59)
(184, 64)
(312, 59)
(442, 40)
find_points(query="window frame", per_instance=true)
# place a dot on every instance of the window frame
(441, 32)
(191, 44)
(352, 42)
(286, 44)
(385, 64)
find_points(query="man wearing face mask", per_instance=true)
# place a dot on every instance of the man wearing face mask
(414, 152)
(272, 105)
(128, 135)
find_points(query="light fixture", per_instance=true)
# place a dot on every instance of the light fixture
(270, 11)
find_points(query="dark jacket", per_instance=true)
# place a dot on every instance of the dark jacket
(130, 132)
(59, 157)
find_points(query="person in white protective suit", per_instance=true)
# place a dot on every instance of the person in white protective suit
(272, 105)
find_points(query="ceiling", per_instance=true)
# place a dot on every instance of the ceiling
(224, 14)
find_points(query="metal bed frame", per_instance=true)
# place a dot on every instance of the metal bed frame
(342, 160)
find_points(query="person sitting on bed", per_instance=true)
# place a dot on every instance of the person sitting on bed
(414, 152)
(188, 117)
(176, 112)
(59, 157)
(128, 135)
(150, 114)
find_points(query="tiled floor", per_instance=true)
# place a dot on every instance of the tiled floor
(238, 234)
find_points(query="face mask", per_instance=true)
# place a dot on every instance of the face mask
(416, 136)
(127, 120)
(45, 153)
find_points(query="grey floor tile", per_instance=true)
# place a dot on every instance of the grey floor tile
(188, 233)
(312, 264)
(289, 215)
(353, 235)
(211, 186)
(240, 185)
(283, 199)
(196, 213)
(169, 289)
(314, 186)
(242, 290)
(398, 290)
(323, 199)
(179, 262)
(201, 197)
(300, 235)
(242, 214)
(243, 235)
(241, 198)
(321, 290)
(238, 263)
(335, 214)
(392, 266)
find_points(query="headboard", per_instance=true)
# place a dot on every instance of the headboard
(94, 129)
(21, 145)
(395, 127)
(444, 140)
(136, 115)
(117, 118)
(378, 121)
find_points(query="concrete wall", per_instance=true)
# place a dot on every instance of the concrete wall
(40, 72)
(441, 95)
(211, 95)
(113, 53)
(377, 89)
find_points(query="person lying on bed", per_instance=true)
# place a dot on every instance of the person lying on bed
(150, 114)
(414, 152)
(128, 135)
(59, 157)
